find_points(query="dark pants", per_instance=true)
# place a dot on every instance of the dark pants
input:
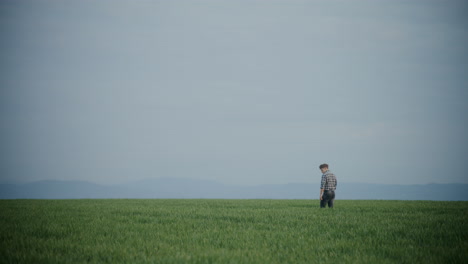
(328, 197)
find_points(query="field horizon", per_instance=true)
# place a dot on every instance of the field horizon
(182, 188)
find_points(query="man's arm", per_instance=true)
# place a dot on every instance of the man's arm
(322, 185)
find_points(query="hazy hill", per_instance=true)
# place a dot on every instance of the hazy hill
(189, 188)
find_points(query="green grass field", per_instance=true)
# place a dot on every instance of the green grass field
(232, 231)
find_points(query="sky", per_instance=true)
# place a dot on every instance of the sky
(240, 92)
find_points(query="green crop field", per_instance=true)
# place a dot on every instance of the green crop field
(232, 231)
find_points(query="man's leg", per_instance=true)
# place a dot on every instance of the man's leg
(331, 198)
(325, 199)
(323, 202)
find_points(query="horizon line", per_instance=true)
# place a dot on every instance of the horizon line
(17, 182)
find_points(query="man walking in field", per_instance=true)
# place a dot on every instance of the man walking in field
(327, 187)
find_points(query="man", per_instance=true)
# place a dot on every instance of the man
(327, 187)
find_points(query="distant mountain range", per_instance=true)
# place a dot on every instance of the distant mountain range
(190, 188)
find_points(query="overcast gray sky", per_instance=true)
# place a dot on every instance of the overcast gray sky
(242, 92)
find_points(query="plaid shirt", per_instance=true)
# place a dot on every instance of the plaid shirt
(329, 181)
